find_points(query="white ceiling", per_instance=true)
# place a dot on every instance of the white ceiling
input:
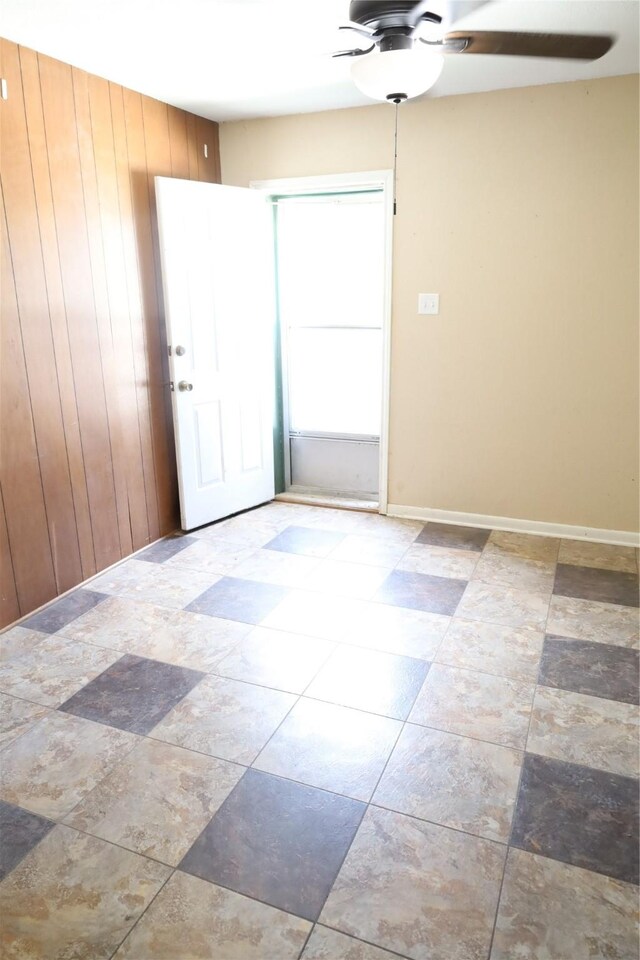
(232, 59)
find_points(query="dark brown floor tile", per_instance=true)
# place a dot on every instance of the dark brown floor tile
(245, 600)
(421, 591)
(370, 680)
(164, 549)
(581, 816)
(134, 694)
(597, 669)
(589, 583)
(458, 538)
(62, 612)
(20, 831)
(305, 540)
(278, 841)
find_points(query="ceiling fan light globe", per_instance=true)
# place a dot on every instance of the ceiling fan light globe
(406, 73)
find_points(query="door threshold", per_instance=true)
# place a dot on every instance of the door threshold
(325, 500)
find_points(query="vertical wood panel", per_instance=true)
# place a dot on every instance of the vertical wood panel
(86, 437)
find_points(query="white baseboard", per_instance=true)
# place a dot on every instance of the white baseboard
(623, 538)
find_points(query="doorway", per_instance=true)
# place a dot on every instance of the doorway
(332, 244)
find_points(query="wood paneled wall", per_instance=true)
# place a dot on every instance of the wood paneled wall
(86, 443)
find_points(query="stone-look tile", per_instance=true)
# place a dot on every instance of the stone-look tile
(419, 591)
(273, 658)
(491, 648)
(17, 716)
(585, 817)
(54, 670)
(157, 800)
(243, 529)
(452, 780)
(199, 920)
(313, 614)
(225, 718)
(439, 561)
(410, 633)
(374, 550)
(214, 556)
(120, 578)
(421, 890)
(75, 896)
(600, 622)
(504, 543)
(325, 944)
(603, 586)
(273, 566)
(19, 833)
(475, 705)
(331, 747)
(504, 605)
(549, 909)
(597, 669)
(165, 549)
(56, 763)
(118, 623)
(169, 585)
(305, 540)
(18, 641)
(277, 841)
(191, 640)
(604, 556)
(133, 694)
(345, 579)
(500, 570)
(370, 680)
(589, 730)
(454, 537)
(343, 522)
(233, 599)
(389, 528)
(58, 614)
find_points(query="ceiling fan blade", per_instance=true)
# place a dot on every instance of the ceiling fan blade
(353, 53)
(454, 10)
(566, 46)
(364, 31)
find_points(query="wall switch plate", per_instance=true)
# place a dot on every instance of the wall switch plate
(428, 303)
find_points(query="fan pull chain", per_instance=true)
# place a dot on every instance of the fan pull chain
(395, 159)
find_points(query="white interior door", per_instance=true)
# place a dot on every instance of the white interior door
(216, 247)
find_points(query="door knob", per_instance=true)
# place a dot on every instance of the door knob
(184, 386)
(180, 351)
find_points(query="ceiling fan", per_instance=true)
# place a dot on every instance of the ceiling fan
(400, 62)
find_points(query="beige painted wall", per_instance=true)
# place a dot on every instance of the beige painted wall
(520, 207)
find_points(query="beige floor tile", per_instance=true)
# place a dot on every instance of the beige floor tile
(121, 577)
(214, 556)
(495, 709)
(192, 640)
(340, 521)
(555, 911)
(591, 620)
(273, 658)
(56, 763)
(490, 648)
(341, 578)
(16, 716)
(505, 605)
(502, 542)
(157, 800)
(225, 718)
(334, 748)
(74, 896)
(411, 633)
(173, 587)
(587, 730)
(506, 570)
(195, 920)
(18, 641)
(244, 530)
(118, 623)
(325, 944)
(54, 670)
(277, 567)
(390, 528)
(313, 614)
(439, 561)
(604, 556)
(418, 889)
(453, 781)
(356, 548)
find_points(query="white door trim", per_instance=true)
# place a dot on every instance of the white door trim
(379, 179)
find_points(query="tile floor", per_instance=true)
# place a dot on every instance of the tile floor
(311, 733)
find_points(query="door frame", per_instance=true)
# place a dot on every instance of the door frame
(333, 183)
